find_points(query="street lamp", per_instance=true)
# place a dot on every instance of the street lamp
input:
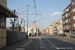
(18, 18)
(27, 19)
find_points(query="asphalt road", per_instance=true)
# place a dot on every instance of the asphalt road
(57, 43)
(44, 42)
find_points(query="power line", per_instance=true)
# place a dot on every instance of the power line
(35, 9)
(35, 6)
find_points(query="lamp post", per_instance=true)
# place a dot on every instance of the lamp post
(18, 18)
(27, 19)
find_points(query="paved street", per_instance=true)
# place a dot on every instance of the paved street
(58, 43)
(44, 42)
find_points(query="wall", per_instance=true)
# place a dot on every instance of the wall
(4, 2)
(2, 37)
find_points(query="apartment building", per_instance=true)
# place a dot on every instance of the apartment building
(53, 27)
(69, 18)
(60, 27)
(5, 12)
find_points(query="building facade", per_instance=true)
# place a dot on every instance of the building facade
(50, 28)
(53, 28)
(69, 18)
(32, 29)
(47, 30)
(60, 27)
(5, 12)
(44, 31)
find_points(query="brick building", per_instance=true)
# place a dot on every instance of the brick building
(69, 18)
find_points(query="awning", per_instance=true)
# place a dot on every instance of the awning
(6, 11)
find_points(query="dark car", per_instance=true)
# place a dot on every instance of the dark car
(62, 34)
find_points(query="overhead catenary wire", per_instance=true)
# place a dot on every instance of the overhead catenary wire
(35, 9)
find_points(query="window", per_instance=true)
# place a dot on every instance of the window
(73, 2)
(73, 9)
(66, 26)
(66, 15)
(74, 24)
(74, 17)
(63, 17)
(69, 26)
(2, 21)
(63, 22)
(66, 20)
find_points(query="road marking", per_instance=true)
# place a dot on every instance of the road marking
(42, 47)
(26, 44)
(52, 46)
(51, 43)
(23, 46)
(20, 49)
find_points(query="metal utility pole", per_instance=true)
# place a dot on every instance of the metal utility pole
(37, 31)
(27, 19)
(18, 18)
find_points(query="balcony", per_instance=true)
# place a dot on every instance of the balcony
(65, 11)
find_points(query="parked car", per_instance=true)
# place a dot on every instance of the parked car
(62, 34)
(59, 34)
(51, 34)
(72, 35)
(47, 33)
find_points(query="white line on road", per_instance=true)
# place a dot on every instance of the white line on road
(20, 49)
(23, 46)
(51, 43)
(42, 47)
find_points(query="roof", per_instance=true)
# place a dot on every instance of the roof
(34, 26)
(6, 11)
(67, 7)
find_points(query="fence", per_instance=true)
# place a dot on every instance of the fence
(14, 36)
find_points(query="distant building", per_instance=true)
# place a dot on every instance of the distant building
(5, 12)
(60, 27)
(44, 31)
(32, 29)
(51, 29)
(47, 30)
(55, 27)
(69, 18)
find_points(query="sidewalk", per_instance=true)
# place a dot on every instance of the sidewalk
(29, 44)
(15, 45)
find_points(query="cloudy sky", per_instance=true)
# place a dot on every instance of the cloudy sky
(51, 10)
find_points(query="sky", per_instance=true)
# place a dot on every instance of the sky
(51, 10)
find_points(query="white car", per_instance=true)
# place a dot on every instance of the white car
(51, 34)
